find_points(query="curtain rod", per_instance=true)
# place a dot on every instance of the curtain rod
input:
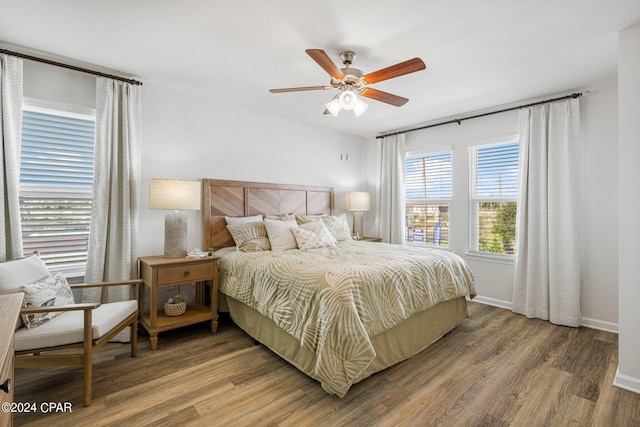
(70, 67)
(458, 121)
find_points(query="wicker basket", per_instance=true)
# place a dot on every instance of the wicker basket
(175, 309)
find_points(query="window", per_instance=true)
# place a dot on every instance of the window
(493, 193)
(56, 180)
(427, 197)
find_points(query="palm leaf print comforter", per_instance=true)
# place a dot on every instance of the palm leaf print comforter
(333, 299)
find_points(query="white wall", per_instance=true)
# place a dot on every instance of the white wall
(598, 216)
(189, 136)
(195, 135)
(628, 375)
(599, 236)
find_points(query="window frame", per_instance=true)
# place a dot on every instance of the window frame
(34, 190)
(474, 200)
(431, 201)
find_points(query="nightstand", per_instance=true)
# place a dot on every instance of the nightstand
(158, 271)
(370, 239)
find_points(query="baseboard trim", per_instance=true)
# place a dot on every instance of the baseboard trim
(599, 324)
(626, 382)
(492, 301)
(584, 321)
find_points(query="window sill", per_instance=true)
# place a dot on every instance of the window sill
(491, 257)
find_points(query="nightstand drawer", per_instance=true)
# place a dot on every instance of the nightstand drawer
(192, 272)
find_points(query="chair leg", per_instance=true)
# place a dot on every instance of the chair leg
(88, 356)
(88, 374)
(134, 338)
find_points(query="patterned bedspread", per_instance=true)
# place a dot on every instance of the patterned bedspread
(333, 299)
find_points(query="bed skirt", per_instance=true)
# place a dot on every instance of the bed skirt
(392, 346)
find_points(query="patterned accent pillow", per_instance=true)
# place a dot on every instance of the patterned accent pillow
(313, 235)
(236, 220)
(303, 219)
(338, 226)
(250, 237)
(284, 217)
(50, 291)
(279, 232)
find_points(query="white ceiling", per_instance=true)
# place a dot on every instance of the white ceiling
(479, 54)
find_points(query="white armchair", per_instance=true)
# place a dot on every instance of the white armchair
(85, 326)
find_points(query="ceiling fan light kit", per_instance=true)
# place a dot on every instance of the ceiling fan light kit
(347, 99)
(351, 82)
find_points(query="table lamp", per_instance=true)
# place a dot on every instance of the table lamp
(358, 202)
(171, 194)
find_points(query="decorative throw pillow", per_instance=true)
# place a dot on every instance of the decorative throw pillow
(250, 237)
(279, 232)
(51, 291)
(284, 217)
(338, 226)
(235, 220)
(313, 235)
(303, 219)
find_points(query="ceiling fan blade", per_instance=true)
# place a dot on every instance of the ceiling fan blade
(326, 63)
(379, 95)
(406, 67)
(299, 89)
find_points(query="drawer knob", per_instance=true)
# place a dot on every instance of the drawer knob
(6, 386)
(186, 273)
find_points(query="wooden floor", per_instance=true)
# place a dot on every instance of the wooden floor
(495, 369)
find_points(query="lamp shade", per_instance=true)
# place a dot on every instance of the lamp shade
(172, 194)
(358, 201)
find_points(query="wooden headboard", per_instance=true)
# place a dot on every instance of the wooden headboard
(222, 198)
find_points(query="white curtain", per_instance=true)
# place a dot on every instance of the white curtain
(114, 212)
(10, 135)
(390, 197)
(547, 273)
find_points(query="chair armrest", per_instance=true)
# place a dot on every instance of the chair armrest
(132, 283)
(104, 284)
(67, 307)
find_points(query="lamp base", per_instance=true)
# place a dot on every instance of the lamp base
(358, 221)
(175, 235)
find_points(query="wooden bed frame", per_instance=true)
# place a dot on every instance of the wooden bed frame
(241, 198)
(222, 198)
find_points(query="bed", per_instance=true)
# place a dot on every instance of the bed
(338, 312)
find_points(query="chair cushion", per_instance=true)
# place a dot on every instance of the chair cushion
(50, 291)
(14, 274)
(68, 327)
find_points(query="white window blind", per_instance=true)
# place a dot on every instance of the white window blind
(56, 180)
(493, 192)
(428, 188)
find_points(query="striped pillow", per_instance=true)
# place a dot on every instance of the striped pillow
(250, 237)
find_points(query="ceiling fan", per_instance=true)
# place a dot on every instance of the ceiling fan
(351, 81)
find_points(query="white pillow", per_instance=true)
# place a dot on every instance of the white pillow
(313, 235)
(338, 226)
(279, 232)
(235, 220)
(51, 291)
